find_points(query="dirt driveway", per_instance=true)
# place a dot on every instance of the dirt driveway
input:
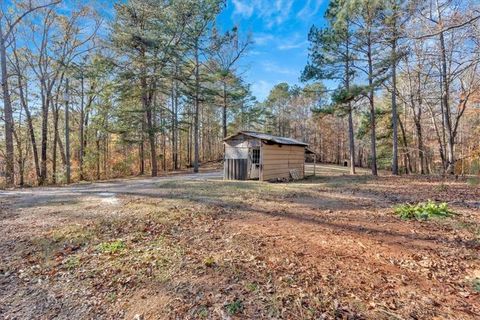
(105, 191)
(197, 247)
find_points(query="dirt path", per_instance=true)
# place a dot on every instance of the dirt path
(197, 247)
(105, 192)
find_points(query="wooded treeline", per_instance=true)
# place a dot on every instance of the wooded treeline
(156, 88)
(408, 83)
(94, 92)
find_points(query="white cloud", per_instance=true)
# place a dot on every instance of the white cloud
(274, 68)
(282, 12)
(256, 52)
(273, 14)
(243, 8)
(288, 46)
(310, 9)
(261, 89)
(263, 38)
(294, 41)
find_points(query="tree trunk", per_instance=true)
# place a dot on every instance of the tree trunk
(45, 105)
(8, 114)
(421, 151)
(81, 133)
(20, 158)
(224, 116)
(446, 106)
(142, 158)
(408, 161)
(54, 145)
(372, 109)
(98, 157)
(394, 104)
(31, 130)
(196, 112)
(67, 133)
(441, 148)
(174, 126)
(351, 135)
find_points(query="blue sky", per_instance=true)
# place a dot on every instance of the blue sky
(279, 30)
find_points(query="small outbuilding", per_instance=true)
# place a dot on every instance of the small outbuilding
(255, 155)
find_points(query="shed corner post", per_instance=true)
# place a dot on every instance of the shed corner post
(260, 174)
(225, 163)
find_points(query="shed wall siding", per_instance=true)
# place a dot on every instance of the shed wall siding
(235, 153)
(277, 161)
(238, 148)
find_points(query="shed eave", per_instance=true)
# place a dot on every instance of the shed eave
(269, 138)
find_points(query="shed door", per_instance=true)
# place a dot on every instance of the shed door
(235, 169)
(254, 162)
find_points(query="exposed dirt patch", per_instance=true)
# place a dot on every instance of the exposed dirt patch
(328, 247)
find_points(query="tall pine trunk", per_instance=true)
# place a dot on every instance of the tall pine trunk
(351, 136)
(394, 103)
(224, 115)
(372, 108)
(147, 109)
(196, 112)
(174, 125)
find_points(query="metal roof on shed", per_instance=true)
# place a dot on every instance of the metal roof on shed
(269, 137)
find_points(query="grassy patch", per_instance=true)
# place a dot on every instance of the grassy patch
(474, 181)
(111, 247)
(112, 297)
(252, 287)
(209, 262)
(442, 187)
(202, 313)
(71, 263)
(423, 211)
(73, 235)
(234, 307)
(476, 284)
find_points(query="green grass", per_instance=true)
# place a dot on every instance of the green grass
(423, 211)
(473, 181)
(251, 287)
(209, 262)
(202, 313)
(441, 187)
(476, 284)
(112, 297)
(111, 247)
(234, 307)
(71, 263)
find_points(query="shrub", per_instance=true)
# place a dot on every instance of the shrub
(423, 211)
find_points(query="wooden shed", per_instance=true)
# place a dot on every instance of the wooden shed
(255, 155)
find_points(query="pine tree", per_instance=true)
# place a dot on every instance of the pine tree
(331, 58)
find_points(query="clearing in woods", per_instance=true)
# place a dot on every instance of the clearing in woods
(195, 247)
